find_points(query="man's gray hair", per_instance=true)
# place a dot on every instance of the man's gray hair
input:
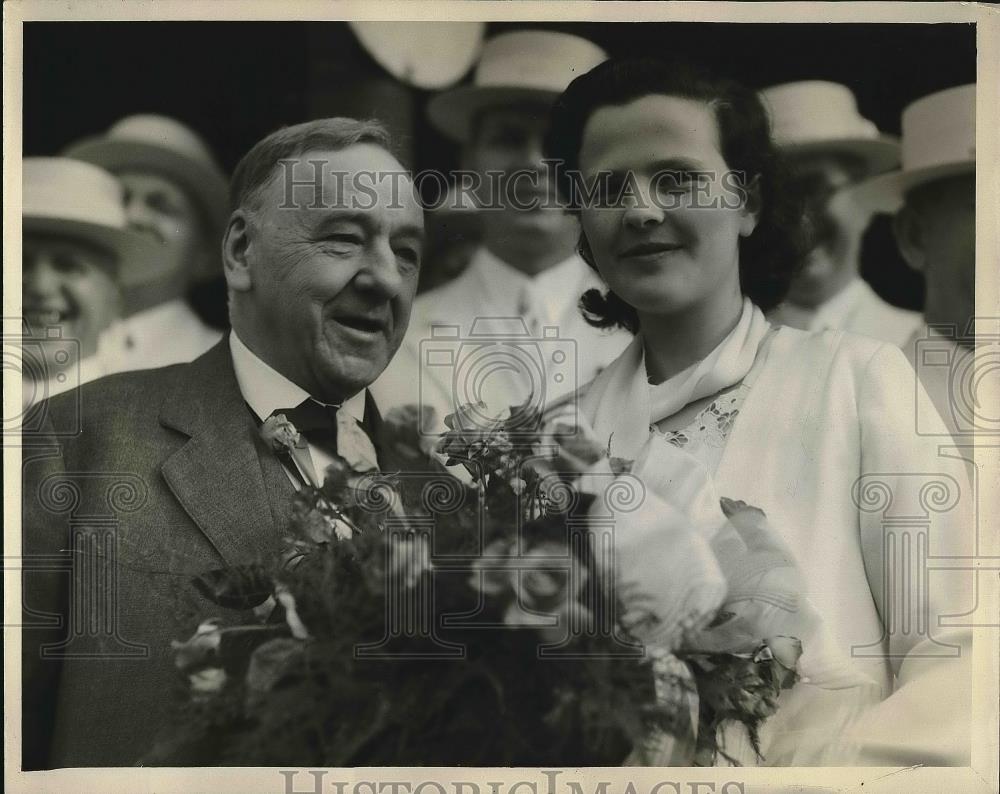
(255, 169)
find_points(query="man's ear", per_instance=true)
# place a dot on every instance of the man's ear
(751, 206)
(906, 226)
(236, 246)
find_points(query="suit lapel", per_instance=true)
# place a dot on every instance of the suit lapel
(233, 489)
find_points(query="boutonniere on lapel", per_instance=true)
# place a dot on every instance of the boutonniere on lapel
(341, 505)
(285, 441)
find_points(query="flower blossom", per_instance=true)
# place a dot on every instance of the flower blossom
(279, 433)
(207, 682)
(203, 645)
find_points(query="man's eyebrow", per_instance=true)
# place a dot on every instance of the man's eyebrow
(337, 216)
(366, 221)
(411, 230)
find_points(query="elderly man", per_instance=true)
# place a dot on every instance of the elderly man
(175, 194)
(521, 290)
(321, 281)
(934, 198)
(75, 250)
(830, 147)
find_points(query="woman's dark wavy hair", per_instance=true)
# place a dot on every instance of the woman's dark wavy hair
(773, 254)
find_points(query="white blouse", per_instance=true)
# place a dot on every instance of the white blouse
(824, 441)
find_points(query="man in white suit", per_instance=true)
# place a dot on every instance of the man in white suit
(933, 197)
(514, 330)
(830, 146)
(177, 196)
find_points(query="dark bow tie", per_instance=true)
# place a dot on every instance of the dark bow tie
(317, 422)
(310, 415)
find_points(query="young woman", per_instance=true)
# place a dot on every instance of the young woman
(685, 219)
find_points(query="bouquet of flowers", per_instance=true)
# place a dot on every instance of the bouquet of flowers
(416, 617)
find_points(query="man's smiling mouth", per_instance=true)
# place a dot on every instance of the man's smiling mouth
(38, 317)
(369, 325)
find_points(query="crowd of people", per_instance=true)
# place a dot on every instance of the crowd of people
(740, 331)
(121, 237)
(120, 303)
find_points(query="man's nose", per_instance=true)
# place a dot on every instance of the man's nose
(531, 154)
(380, 274)
(41, 278)
(137, 213)
(818, 222)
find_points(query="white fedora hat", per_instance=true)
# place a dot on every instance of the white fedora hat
(165, 146)
(520, 66)
(819, 116)
(68, 198)
(939, 140)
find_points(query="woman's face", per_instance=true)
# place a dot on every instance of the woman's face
(665, 239)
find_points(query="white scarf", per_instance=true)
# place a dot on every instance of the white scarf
(622, 404)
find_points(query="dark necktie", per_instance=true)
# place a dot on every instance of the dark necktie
(316, 422)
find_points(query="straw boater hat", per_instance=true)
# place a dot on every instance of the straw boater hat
(521, 66)
(818, 116)
(165, 146)
(67, 198)
(939, 140)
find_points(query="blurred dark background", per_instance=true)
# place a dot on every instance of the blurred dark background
(236, 81)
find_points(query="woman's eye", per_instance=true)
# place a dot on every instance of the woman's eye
(675, 183)
(610, 192)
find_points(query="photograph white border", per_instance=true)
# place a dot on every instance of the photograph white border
(985, 720)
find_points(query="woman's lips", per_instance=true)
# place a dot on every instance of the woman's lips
(648, 250)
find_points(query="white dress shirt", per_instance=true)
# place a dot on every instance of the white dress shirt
(857, 308)
(170, 333)
(485, 307)
(543, 299)
(266, 390)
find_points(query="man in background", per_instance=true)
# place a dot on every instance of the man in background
(525, 280)
(176, 195)
(933, 197)
(76, 251)
(830, 147)
(454, 234)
